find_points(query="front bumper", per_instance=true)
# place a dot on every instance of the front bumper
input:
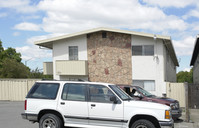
(176, 113)
(166, 124)
(30, 117)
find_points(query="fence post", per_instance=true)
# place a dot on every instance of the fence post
(187, 116)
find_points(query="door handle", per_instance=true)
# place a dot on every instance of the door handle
(93, 105)
(62, 103)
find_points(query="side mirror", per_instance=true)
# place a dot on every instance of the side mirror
(114, 99)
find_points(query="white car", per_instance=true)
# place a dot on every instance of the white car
(55, 104)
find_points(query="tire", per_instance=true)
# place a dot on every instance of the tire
(142, 124)
(50, 121)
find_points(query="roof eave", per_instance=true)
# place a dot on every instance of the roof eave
(51, 40)
(172, 52)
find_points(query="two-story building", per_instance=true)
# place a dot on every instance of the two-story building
(195, 62)
(113, 56)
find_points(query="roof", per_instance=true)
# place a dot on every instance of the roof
(195, 51)
(48, 43)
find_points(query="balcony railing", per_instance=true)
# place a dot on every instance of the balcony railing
(48, 68)
(65, 67)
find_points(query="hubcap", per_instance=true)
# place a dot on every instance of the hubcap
(49, 123)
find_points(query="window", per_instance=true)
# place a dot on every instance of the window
(120, 92)
(137, 50)
(44, 91)
(73, 52)
(104, 34)
(143, 50)
(99, 93)
(148, 85)
(74, 92)
(148, 50)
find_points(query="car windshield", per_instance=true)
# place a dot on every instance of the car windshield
(144, 92)
(120, 92)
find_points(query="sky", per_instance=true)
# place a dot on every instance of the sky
(22, 22)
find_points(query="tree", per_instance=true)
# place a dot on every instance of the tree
(10, 64)
(1, 47)
(11, 68)
(11, 54)
(184, 76)
(1, 50)
(38, 74)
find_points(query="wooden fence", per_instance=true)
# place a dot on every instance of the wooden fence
(184, 92)
(15, 89)
(176, 91)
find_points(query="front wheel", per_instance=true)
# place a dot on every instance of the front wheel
(50, 121)
(142, 124)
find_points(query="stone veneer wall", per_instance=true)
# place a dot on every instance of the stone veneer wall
(109, 59)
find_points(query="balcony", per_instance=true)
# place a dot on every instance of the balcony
(48, 68)
(64, 67)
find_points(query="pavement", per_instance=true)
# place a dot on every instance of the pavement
(193, 122)
(10, 117)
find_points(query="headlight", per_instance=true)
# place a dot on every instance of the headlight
(174, 105)
(167, 114)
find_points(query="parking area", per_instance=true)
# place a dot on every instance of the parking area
(10, 117)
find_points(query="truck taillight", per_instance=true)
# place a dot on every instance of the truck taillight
(25, 105)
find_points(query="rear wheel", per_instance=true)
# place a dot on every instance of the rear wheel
(50, 121)
(142, 124)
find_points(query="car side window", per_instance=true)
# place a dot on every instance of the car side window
(74, 92)
(44, 91)
(99, 93)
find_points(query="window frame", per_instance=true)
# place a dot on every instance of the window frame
(143, 50)
(67, 89)
(89, 99)
(33, 88)
(121, 91)
(73, 51)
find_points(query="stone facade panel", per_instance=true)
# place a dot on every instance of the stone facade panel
(110, 58)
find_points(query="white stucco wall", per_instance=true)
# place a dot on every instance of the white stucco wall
(61, 51)
(149, 67)
(196, 71)
(170, 68)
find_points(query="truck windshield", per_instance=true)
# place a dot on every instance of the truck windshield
(144, 92)
(120, 92)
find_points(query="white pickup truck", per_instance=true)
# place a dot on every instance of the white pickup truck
(55, 104)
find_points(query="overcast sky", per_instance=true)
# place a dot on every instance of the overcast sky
(24, 21)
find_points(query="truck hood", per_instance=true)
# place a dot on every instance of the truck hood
(166, 99)
(162, 100)
(147, 105)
